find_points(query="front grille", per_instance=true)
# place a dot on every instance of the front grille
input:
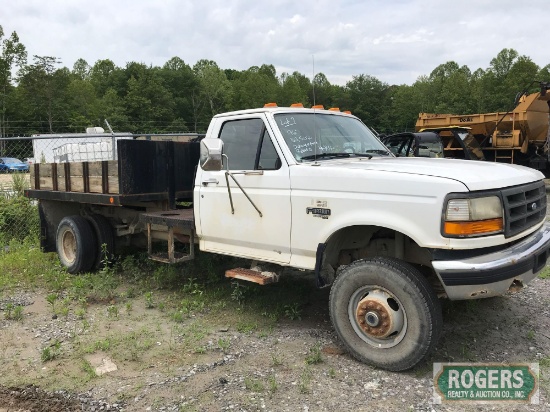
(524, 207)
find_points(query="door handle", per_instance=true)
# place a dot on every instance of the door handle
(205, 182)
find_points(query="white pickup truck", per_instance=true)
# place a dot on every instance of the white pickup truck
(313, 189)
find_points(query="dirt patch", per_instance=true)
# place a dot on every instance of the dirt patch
(222, 363)
(34, 399)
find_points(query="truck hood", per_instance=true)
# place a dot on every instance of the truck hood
(475, 175)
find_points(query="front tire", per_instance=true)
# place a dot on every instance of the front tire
(76, 245)
(385, 312)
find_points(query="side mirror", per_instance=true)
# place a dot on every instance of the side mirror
(211, 154)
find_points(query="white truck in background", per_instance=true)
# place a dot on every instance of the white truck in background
(312, 189)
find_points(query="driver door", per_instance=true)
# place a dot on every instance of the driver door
(257, 226)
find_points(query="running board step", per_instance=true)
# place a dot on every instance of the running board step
(262, 278)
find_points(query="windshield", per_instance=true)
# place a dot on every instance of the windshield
(323, 136)
(9, 160)
(430, 149)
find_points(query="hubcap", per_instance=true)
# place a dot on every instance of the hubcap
(377, 316)
(69, 246)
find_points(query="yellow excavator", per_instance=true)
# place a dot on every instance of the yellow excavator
(520, 136)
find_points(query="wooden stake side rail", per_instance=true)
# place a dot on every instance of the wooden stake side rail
(85, 177)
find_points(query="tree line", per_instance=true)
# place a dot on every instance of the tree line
(42, 96)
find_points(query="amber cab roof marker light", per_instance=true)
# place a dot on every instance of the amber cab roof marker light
(334, 109)
(296, 105)
(346, 112)
(270, 105)
(318, 106)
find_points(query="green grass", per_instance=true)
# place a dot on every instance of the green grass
(192, 301)
(545, 273)
(314, 355)
(253, 385)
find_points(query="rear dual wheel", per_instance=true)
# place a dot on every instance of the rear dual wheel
(79, 242)
(105, 241)
(386, 313)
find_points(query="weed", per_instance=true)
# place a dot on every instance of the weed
(106, 260)
(239, 292)
(264, 333)
(112, 311)
(51, 299)
(80, 313)
(192, 287)
(88, 369)
(51, 352)
(80, 286)
(224, 344)
(247, 327)
(85, 325)
(103, 345)
(103, 285)
(64, 309)
(131, 293)
(331, 373)
(189, 305)
(314, 356)
(273, 386)
(128, 307)
(531, 335)
(293, 311)
(200, 349)
(149, 302)
(178, 316)
(305, 380)
(9, 310)
(18, 313)
(253, 385)
(276, 360)
(162, 306)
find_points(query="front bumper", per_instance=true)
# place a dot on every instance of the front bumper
(494, 273)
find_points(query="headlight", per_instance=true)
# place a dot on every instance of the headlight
(473, 217)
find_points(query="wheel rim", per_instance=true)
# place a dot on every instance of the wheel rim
(68, 244)
(377, 316)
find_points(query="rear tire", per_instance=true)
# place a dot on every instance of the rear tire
(76, 244)
(386, 313)
(104, 236)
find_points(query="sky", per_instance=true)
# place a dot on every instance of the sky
(395, 41)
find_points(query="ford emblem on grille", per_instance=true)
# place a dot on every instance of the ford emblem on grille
(533, 206)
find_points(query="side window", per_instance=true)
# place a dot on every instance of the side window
(269, 159)
(248, 145)
(398, 145)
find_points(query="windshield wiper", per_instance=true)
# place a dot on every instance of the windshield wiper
(378, 151)
(324, 155)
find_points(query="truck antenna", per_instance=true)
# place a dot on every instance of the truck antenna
(313, 77)
(313, 90)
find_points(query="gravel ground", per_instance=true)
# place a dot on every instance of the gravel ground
(256, 372)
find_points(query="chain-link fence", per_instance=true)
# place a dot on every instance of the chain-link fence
(19, 215)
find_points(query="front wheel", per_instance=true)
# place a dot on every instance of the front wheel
(385, 312)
